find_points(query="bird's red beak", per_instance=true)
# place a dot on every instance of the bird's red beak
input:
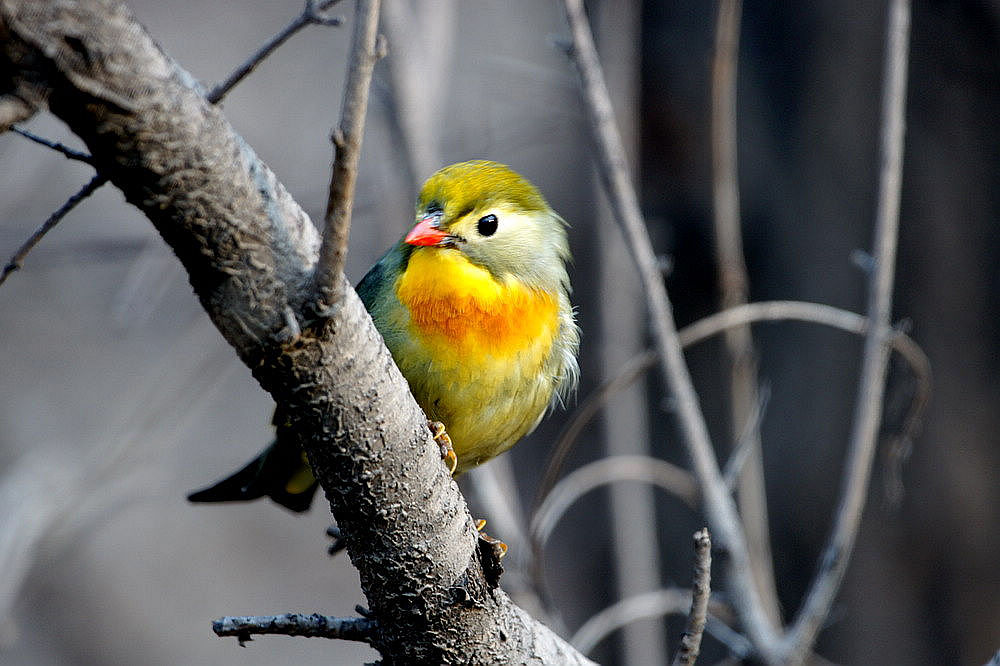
(426, 232)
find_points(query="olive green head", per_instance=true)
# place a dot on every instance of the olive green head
(498, 219)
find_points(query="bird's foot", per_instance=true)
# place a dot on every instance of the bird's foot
(496, 545)
(444, 441)
(491, 552)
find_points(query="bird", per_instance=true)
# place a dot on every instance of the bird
(474, 305)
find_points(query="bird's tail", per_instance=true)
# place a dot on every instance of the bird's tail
(281, 472)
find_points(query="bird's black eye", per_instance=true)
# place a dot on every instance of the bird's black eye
(487, 226)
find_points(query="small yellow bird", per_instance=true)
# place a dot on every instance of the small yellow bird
(473, 304)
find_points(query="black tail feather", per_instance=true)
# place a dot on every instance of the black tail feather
(266, 475)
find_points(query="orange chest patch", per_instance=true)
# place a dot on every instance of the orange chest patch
(454, 303)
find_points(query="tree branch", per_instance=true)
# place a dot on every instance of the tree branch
(312, 14)
(296, 624)
(366, 49)
(62, 148)
(763, 311)
(719, 505)
(687, 654)
(17, 259)
(735, 287)
(878, 340)
(250, 252)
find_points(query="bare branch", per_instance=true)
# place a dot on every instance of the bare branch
(764, 311)
(701, 589)
(54, 145)
(670, 601)
(296, 624)
(366, 49)
(583, 414)
(718, 502)
(312, 14)
(660, 473)
(871, 385)
(735, 287)
(744, 445)
(17, 260)
(733, 280)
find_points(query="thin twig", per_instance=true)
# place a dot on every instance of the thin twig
(734, 284)
(296, 624)
(871, 385)
(54, 145)
(366, 49)
(718, 502)
(701, 589)
(744, 445)
(311, 15)
(17, 260)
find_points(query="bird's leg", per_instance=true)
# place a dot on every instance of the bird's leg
(444, 441)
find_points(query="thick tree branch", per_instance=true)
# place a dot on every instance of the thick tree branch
(250, 252)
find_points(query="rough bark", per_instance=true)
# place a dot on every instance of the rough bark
(250, 252)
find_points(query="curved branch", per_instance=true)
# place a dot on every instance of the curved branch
(667, 601)
(660, 473)
(750, 313)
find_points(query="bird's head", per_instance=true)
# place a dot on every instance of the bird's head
(497, 219)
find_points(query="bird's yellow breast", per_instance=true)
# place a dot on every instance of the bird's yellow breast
(456, 306)
(477, 351)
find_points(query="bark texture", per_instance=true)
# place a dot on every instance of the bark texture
(250, 251)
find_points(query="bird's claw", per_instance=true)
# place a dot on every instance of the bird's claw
(498, 546)
(444, 441)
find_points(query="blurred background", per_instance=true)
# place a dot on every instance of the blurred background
(117, 395)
